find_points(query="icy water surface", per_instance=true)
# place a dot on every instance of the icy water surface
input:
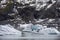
(29, 38)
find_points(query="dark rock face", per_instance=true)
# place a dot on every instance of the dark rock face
(26, 13)
(58, 0)
(5, 17)
(5, 11)
(52, 12)
(29, 13)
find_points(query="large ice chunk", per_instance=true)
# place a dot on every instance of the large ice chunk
(8, 30)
